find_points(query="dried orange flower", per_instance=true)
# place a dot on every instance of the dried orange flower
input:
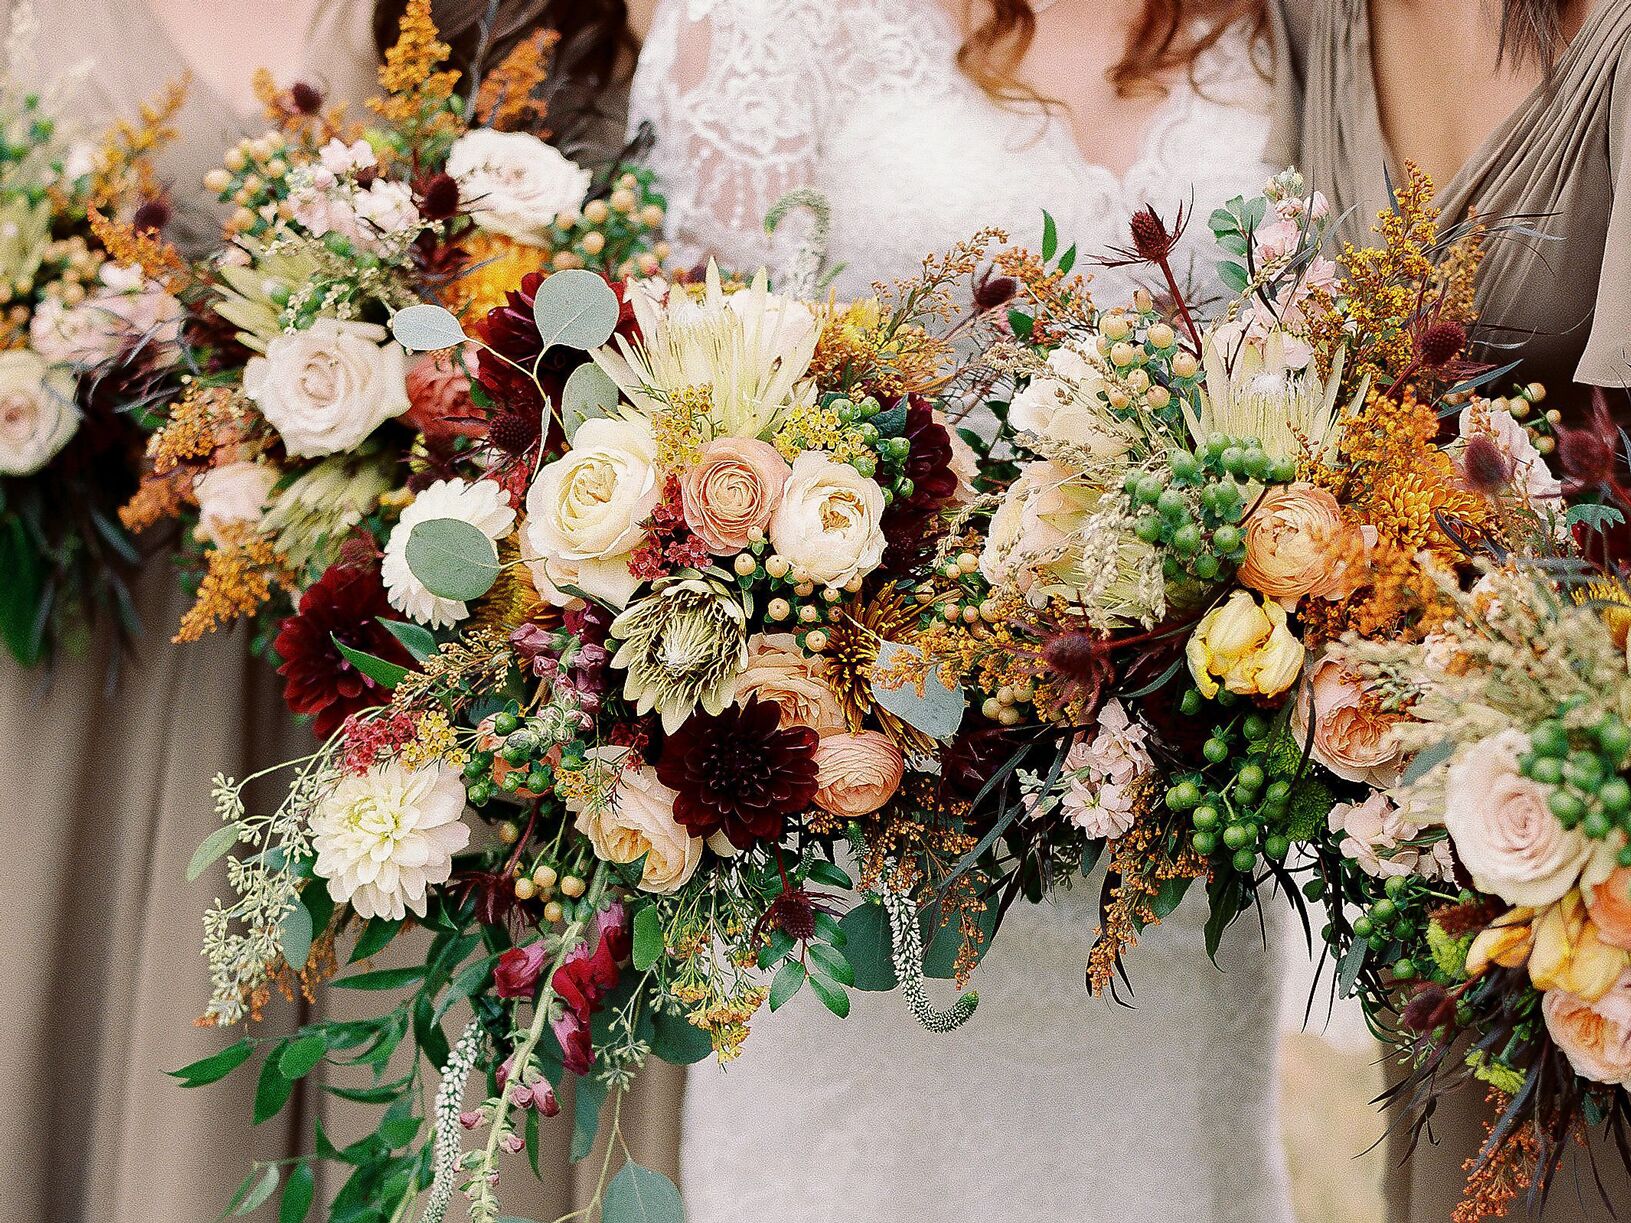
(241, 575)
(509, 97)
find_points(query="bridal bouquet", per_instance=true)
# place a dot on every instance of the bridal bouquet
(639, 768)
(1202, 508)
(310, 428)
(87, 338)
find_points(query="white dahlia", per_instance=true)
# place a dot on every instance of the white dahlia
(484, 505)
(383, 838)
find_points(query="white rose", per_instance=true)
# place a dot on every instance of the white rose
(37, 411)
(637, 821)
(584, 511)
(830, 521)
(229, 495)
(514, 184)
(484, 505)
(1066, 408)
(1505, 834)
(327, 388)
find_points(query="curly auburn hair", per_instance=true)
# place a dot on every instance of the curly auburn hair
(1161, 39)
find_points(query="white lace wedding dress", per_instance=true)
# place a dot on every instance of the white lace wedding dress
(1049, 1105)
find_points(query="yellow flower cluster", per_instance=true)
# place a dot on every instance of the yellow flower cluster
(416, 89)
(241, 575)
(434, 740)
(813, 427)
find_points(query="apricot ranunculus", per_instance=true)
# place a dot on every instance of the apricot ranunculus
(1594, 1036)
(1298, 543)
(1610, 906)
(780, 672)
(856, 774)
(1352, 737)
(732, 491)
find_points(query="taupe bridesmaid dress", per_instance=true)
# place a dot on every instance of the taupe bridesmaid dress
(1563, 160)
(103, 799)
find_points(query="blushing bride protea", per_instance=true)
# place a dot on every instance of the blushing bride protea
(683, 645)
(384, 837)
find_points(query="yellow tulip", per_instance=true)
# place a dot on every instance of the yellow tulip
(1247, 645)
(1569, 955)
(1505, 941)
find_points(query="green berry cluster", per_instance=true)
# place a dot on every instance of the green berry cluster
(1582, 768)
(524, 752)
(1192, 504)
(883, 433)
(1240, 813)
(1391, 918)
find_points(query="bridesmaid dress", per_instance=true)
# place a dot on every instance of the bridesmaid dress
(1563, 158)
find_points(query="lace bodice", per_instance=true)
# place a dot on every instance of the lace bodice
(1049, 1104)
(861, 100)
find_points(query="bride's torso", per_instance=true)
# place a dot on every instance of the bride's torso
(862, 100)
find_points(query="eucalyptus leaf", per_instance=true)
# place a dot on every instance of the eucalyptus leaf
(937, 711)
(216, 844)
(575, 308)
(589, 393)
(678, 1041)
(588, 1096)
(1426, 760)
(453, 559)
(294, 934)
(426, 328)
(639, 1195)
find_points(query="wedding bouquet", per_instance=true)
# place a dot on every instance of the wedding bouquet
(641, 769)
(1202, 507)
(309, 428)
(87, 338)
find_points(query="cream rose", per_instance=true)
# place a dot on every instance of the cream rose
(1066, 407)
(229, 496)
(1297, 543)
(1504, 833)
(328, 387)
(858, 773)
(1352, 737)
(584, 511)
(636, 821)
(38, 415)
(830, 521)
(733, 489)
(514, 184)
(779, 671)
(1594, 1036)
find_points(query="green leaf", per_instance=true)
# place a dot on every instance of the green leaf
(21, 627)
(452, 558)
(648, 938)
(385, 978)
(937, 711)
(1170, 896)
(258, 1191)
(318, 904)
(589, 1095)
(384, 1093)
(375, 936)
(386, 674)
(398, 1132)
(1426, 760)
(576, 309)
(867, 947)
(294, 936)
(1233, 275)
(942, 943)
(1595, 517)
(215, 1066)
(426, 328)
(301, 1058)
(832, 996)
(829, 873)
(216, 844)
(1050, 236)
(1067, 260)
(639, 1195)
(832, 964)
(297, 1195)
(415, 638)
(786, 983)
(678, 1042)
(273, 1090)
(589, 393)
(1349, 971)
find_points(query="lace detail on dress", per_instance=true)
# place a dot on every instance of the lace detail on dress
(1050, 1104)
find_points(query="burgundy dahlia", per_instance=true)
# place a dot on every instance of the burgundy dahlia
(344, 603)
(740, 772)
(907, 521)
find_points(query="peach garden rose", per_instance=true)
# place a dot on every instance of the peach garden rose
(638, 821)
(779, 671)
(858, 773)
(1594, 1036)
(1351, 737)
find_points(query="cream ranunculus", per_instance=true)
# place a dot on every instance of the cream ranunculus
(229, 496)
(858, 773)
(328, 387)
(1297, 543)
(1594, 1036)
(1352, 737)
(514, 184)
(830, 521)
(584, 511)
(382, 839)
(635, 820)
(778, 671)
(38, 415)
(731, 491)
(1505, 834)
(1246, 645)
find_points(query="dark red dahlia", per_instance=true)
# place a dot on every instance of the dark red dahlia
(739, 771)
(908, 522)
(344, 603)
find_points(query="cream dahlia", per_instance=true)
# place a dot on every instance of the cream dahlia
(483, 504)
(383, 838)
